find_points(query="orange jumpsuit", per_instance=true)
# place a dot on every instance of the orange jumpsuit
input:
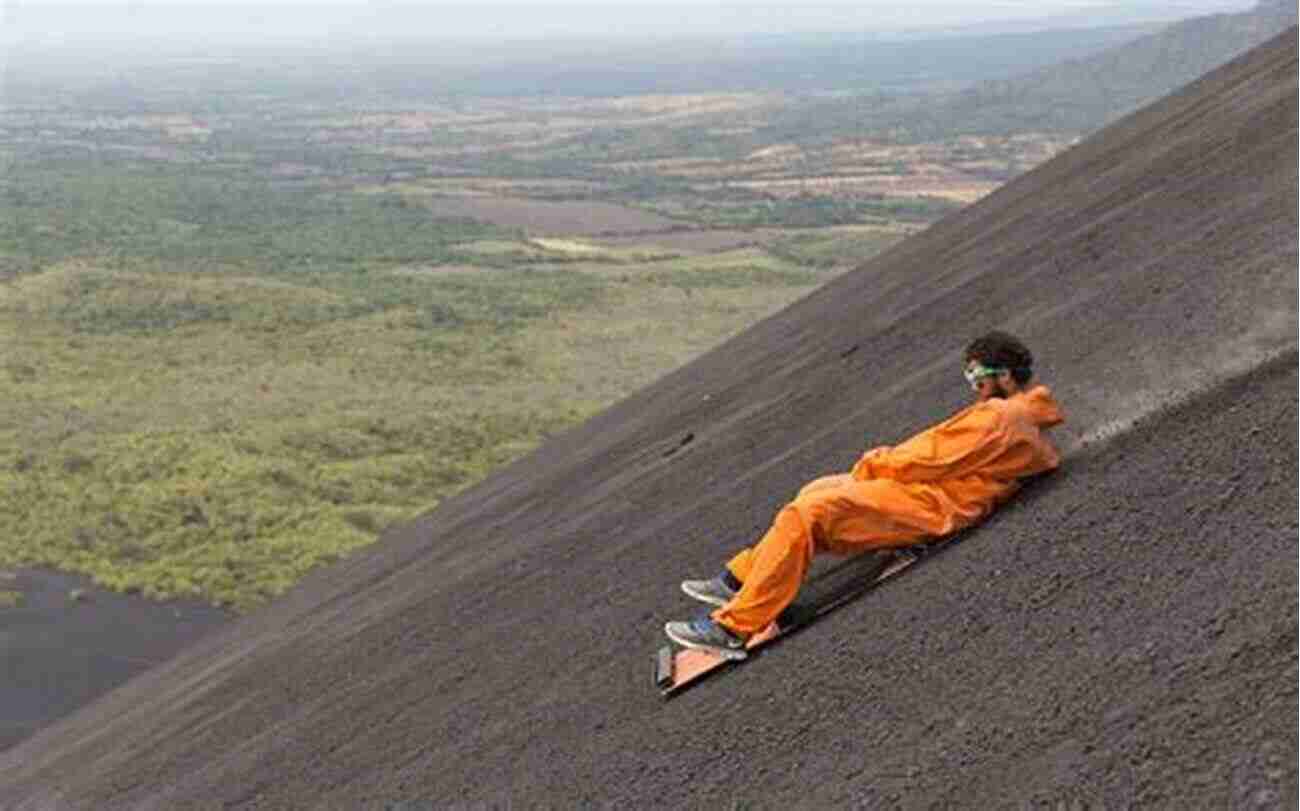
(937, 482)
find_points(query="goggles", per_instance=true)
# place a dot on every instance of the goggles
(976, 372)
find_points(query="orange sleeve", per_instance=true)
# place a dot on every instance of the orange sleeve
(960, 443)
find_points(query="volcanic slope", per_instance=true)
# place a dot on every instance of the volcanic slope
(1123, 633)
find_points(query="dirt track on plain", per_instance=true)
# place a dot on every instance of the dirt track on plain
(1123, 634)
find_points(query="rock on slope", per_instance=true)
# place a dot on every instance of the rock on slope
(1124, 633)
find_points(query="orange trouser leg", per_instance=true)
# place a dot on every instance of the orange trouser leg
(774, 570)
(742, 564)
(835, 514)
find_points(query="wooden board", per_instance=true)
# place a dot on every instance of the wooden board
(680, 668)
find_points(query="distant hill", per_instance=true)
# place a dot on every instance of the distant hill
(1075, 95)
(1083, 95)
(1102, 71)
(770, 63)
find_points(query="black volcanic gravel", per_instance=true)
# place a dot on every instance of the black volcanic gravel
(1122, 635)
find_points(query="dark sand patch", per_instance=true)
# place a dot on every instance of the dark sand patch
(67, 642)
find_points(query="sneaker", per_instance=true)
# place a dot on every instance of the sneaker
(713, 592)
(705, 634)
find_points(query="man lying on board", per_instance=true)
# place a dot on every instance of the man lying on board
(936, 483)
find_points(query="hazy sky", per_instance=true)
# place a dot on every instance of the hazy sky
(303, 20)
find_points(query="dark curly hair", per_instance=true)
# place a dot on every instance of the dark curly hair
(1003, 350)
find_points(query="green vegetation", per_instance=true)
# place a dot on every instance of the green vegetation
(216, 434)
(738, 269)
(51, 211)
(835, 247)
(193, 434)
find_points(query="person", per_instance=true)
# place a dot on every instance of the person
(936, 483)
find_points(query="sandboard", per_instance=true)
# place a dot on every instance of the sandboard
(676, 669)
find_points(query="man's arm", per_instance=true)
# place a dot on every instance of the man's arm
(952, 448)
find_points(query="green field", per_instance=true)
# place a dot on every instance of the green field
(210, 405)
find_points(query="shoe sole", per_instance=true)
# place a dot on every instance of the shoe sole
(734, 654)
(702, 597)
